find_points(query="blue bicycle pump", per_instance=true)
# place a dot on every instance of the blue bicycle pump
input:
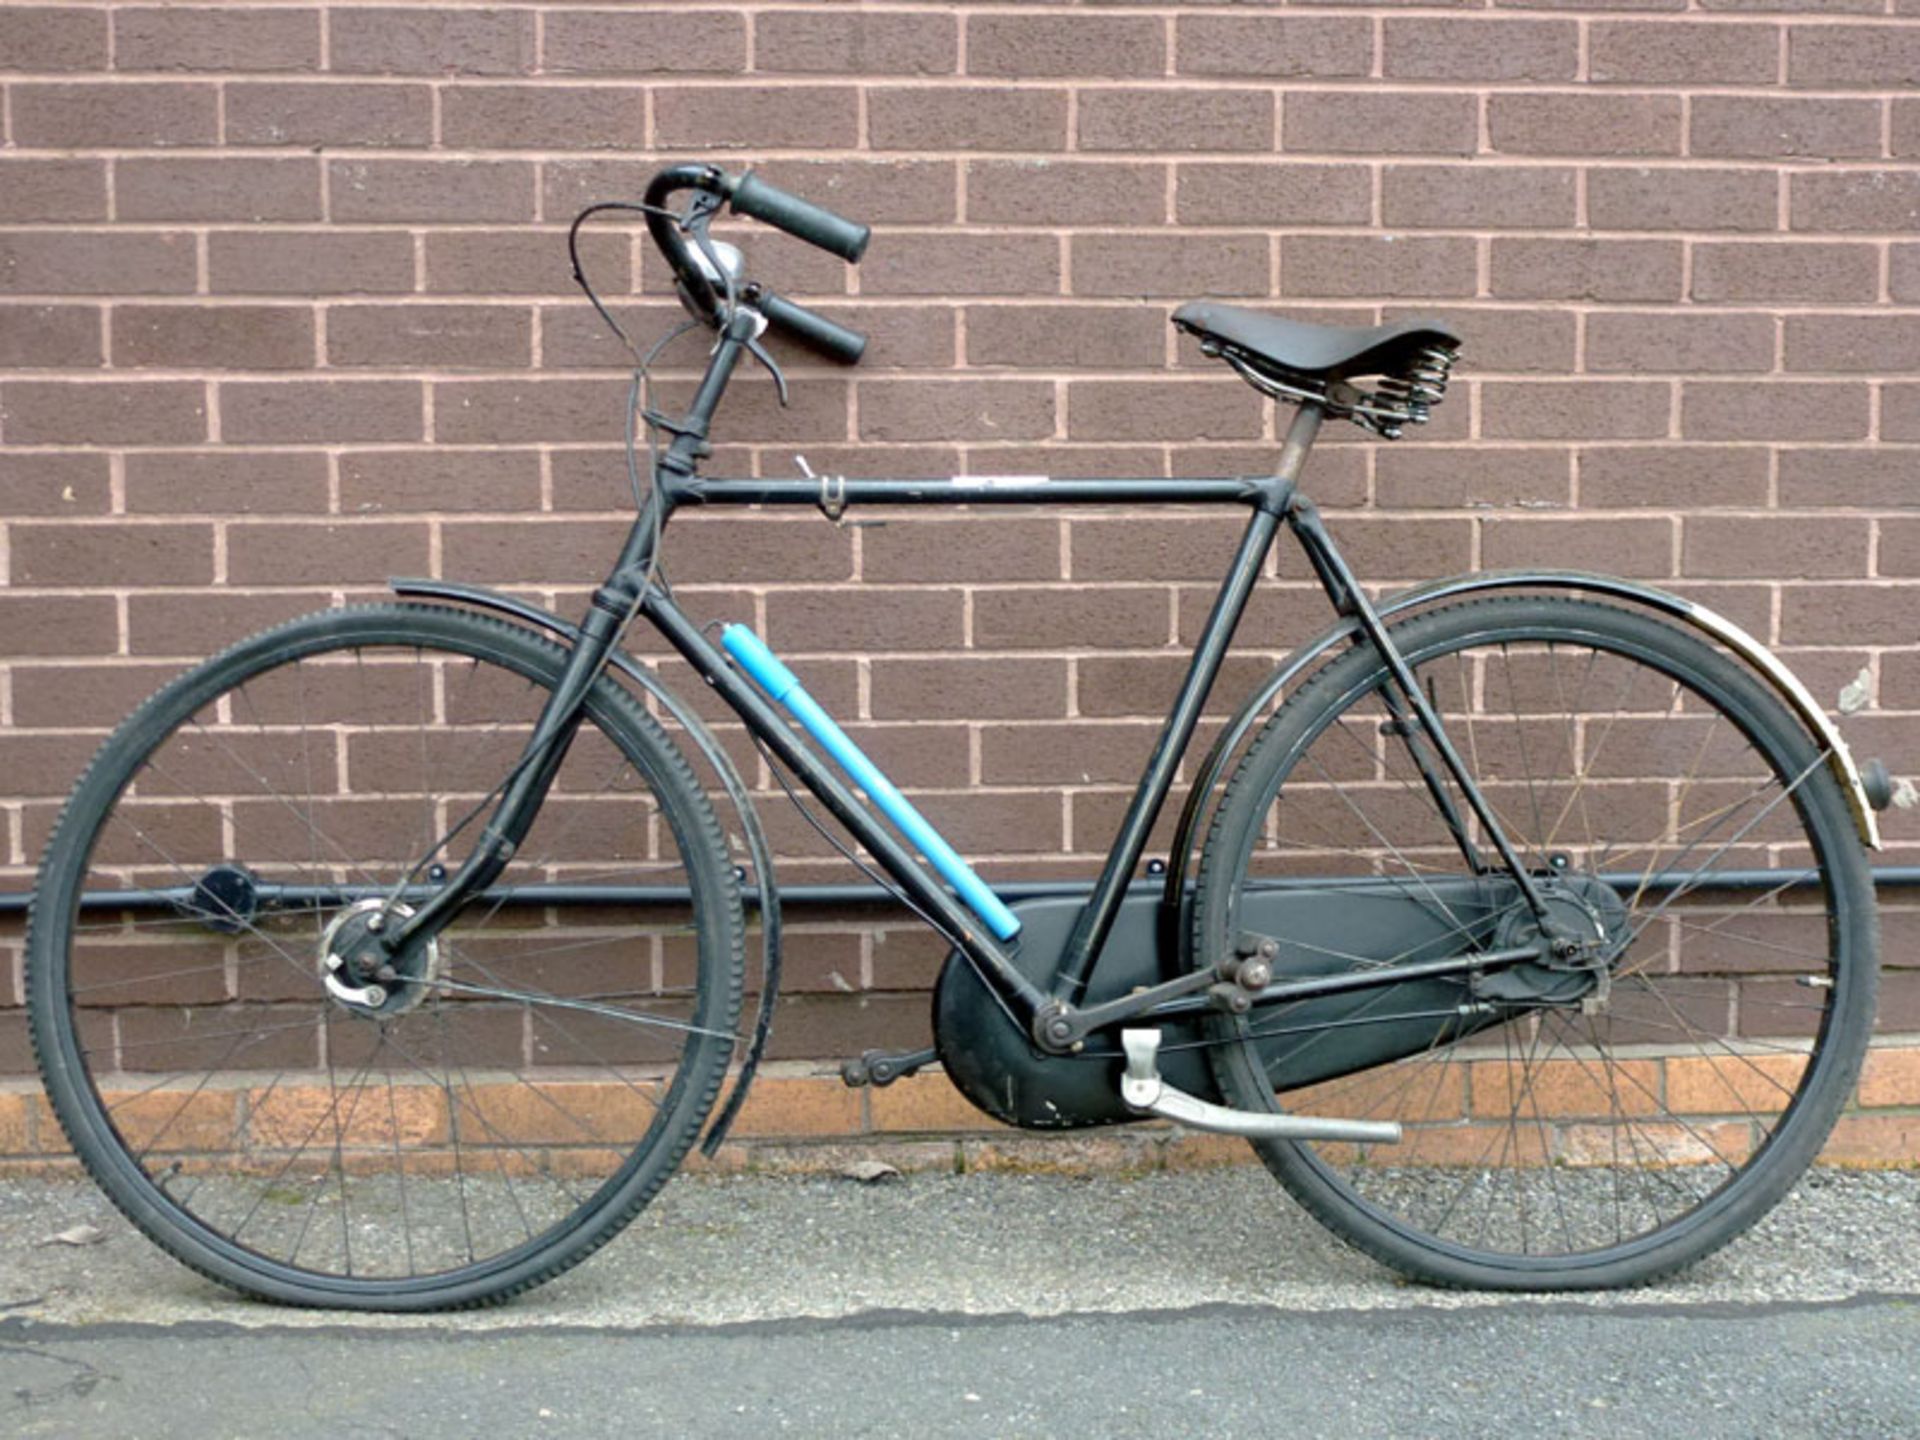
(753, 656)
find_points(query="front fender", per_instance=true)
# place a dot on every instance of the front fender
(1696, 616)
(758, 851)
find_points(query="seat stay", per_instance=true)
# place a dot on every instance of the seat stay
(1350, 600)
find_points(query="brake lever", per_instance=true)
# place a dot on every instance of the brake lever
(702, 208)
(759, 352)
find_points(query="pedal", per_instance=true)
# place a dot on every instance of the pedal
(1143, 1090)
(883, 1067)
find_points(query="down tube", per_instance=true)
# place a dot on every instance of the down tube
(894, 858)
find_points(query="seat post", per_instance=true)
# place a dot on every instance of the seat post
(1277, 489)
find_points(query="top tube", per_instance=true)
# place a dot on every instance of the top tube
(833, 492)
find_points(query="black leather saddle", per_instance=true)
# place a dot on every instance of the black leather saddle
(1317, 364)
(1321, 352)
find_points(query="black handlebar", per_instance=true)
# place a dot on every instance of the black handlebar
(666, 232)
(800, 218)
(754, 197)
(827, 336)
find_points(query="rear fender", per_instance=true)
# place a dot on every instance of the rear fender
(1698, 617)
(722, 765)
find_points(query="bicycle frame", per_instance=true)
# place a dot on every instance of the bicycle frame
(1049, 1014)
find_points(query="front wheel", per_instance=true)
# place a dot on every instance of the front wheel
(484, 1111)
(1597, 1123)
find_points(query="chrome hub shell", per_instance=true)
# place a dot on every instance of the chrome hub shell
(359, 973)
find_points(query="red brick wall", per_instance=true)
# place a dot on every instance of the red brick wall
(284, 308)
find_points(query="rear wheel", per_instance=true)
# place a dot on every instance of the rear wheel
(467, 1124)
(1597, 1124)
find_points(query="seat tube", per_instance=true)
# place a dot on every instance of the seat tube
(1096, 919)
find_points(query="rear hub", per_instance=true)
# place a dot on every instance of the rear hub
(1587, 925)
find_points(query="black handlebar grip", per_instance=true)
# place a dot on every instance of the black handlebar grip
(801, 218)
(816, 330)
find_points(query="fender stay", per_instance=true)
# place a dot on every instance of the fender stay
(758, 851)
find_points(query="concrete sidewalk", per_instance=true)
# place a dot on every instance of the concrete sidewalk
(1196, 1303)
(720, 1251)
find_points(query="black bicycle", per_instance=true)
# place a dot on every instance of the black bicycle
(395, 958)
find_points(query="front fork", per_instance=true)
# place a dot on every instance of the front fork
(526, 786)
(614, 604)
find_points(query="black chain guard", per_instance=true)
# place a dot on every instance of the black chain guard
(995, 1066)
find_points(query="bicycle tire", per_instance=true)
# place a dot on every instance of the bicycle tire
(452, 1049)
(1659, 1121)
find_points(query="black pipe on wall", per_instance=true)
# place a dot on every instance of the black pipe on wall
(1890, 877)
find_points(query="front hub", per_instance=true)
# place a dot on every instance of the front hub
(362, 973)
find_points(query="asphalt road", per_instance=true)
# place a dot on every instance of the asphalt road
(992, 1305)
(1519, 1370)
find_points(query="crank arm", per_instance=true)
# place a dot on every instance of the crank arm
(1062, 1028)
(1143, 1090)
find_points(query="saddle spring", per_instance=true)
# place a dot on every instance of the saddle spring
(1401, 400)
(1407, 398)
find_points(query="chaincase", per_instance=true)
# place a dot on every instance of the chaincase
(990, 1059)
